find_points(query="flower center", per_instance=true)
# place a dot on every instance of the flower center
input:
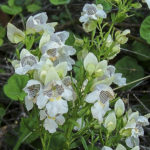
(28, 60)
(105, 96)
(91, 10)
(52, 53)
(33, 90)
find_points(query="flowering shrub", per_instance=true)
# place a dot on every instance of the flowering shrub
(68, 83)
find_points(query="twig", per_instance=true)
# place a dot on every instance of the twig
(141, 103)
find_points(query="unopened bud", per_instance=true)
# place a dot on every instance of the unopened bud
(110, 122)
(119, 108)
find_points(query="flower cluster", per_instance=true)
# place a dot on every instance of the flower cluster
(54, 93)
(49, 88)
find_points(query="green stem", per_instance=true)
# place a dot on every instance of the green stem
(100, 136)
(68, 13)
(107, 139)
(132, 82)
(43, 143)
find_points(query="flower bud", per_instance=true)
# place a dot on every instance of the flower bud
(119, 108)
(90, 69)
(121, 37)
(90, 26)
(125, 132)
(120, 147)
(110, 122)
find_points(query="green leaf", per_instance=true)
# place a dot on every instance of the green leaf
(130, 69)
(70, 41)
(14, 88)
(90, 147)
(79, 72)
(145, 29)
(57, 140)
(84, 143)
(59, 2)
(141, 50)
(11, 10)
(106, 5)
(11, 3)
(33, 8)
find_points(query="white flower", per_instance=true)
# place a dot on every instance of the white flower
(38, 23)
(47, 72)
(27, 62)
(51, 123)
(119, 108)
(134, 126)
(14, 34)
(81, 124)
(99, 110)
(52, 97)
(57, 51)
(100, 96)
(91, 11)
(32, 89)
(102, 93)
(107, 148)
(92, 65)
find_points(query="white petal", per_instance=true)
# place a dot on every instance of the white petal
(60, 120)
(24, 52)
(102, 65)
(14, 34)
(28, 103)
(42, 114)
(34, 23)
(143, 121)
(44, 39)
(90, 59)
(50, 125)
(110, 70)
(49, 45)
(64, 35)
(101, 13)
(61, 69)
(97, 112)
(57, 107)
(92, 97)
(67, 94)
(119, 80)
(51, 75)
(84, 18)
(41, 101)
(132, 142)
(69, 50)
